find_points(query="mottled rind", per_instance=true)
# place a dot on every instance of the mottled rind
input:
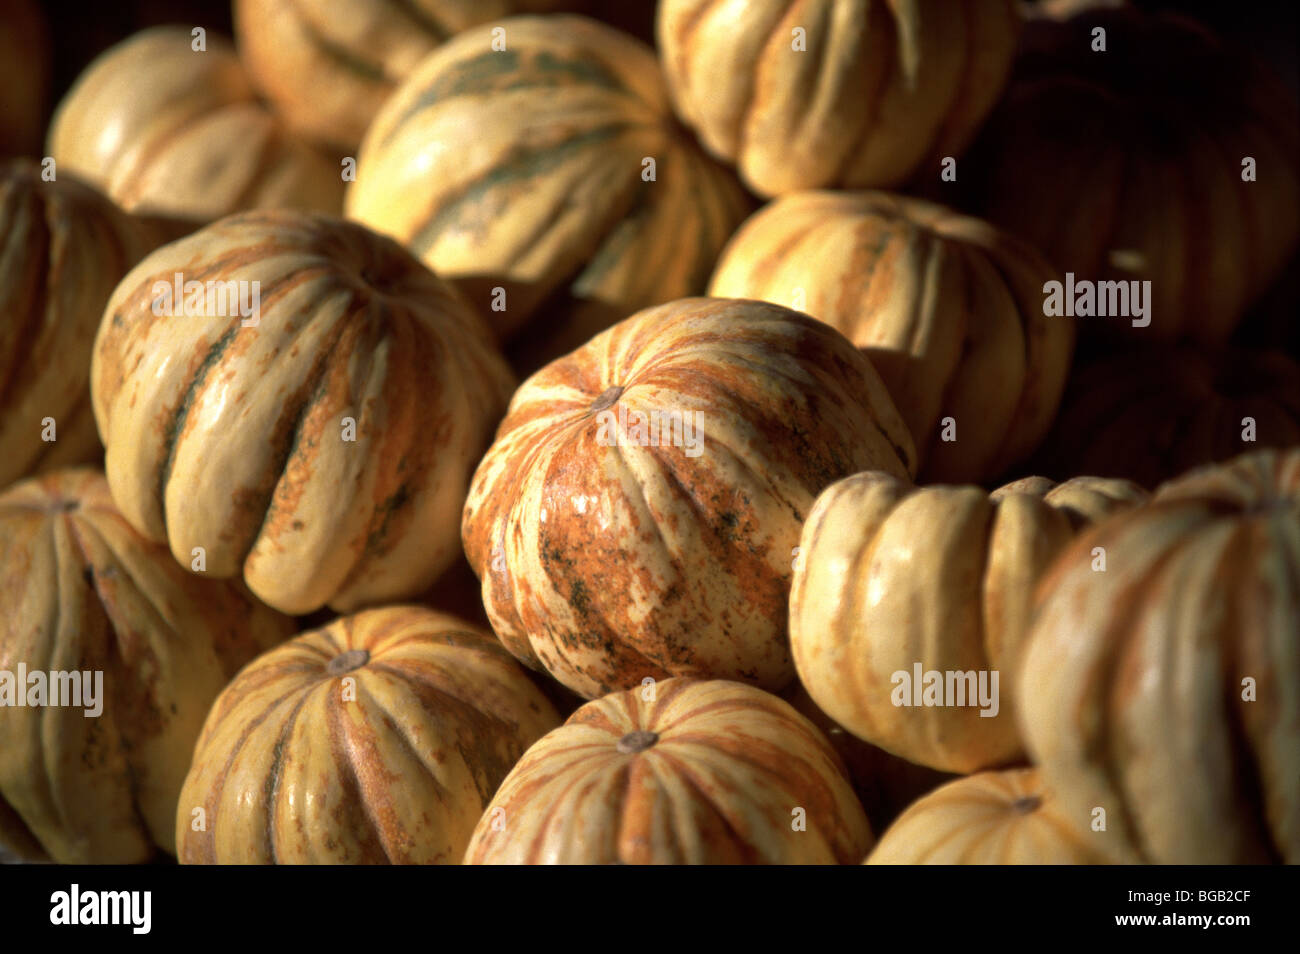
(391, 761)
(892, 575)
(232, 437)
(1133, 695)
(606, 564)
(734, 776)
(81, 590)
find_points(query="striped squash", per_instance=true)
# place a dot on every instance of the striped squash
(994, 818)
(894, 579)
(161, 127)
(1148, 415)
(637, 513)
(377, 739)
(1166, 690)
(82, 592)
(65, 248)
(321, 447)
(24, 76)
(529, 169)
(328, 65)
(804, 94)
(948, 308)
(679, 772)
(1128, 165)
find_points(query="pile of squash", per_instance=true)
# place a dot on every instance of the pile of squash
(468, 432)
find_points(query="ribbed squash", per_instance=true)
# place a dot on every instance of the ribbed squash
(376, 739)
(1166, 690)
(163, 128)
(65, 247)
(81, 591)
(892, 577)
(328, 65)
(948, 309)
(614, 544)
(1128, 165)
(1152, 414)
(803, 94)
(994, 818)
(24, 76)
(323, 451)
(678, 772)
(526, 169)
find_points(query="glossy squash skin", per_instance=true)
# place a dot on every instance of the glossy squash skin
(891, 577)
(321, 447)
(377, 739)
(551, 170)
(1166, 690)
(879, 91)
(81, 591)
(65, 248)
(993, 818)
(682, 771)
(614, 545)
(161, 127)
(328, 65)
(948, 308)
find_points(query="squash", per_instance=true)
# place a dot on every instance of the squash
(679, 772)
(321, 446)
(95, 780)
(994, 818)
(1148, 415)
(163, 128)
(65, 248)
(835, 93)
(1141, 150)
(895, 583)
(550, 170)
(328, 65)
(948, 309)
(376, 739)
(1166, 690)
(637, 513)
(24, 76)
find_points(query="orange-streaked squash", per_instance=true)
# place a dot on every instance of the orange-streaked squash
(321, 447)
(682, 771)
(164, 128)
(948, 308)
(376, 739)
(894, 580)
(1166, 690)
(803, 94)
(82, 592)
(637, 515)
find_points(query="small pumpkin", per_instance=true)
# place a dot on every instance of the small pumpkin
(637, 515)
(328, 65)
(551, 171)
(680, 772)
(24, 76)
(835, 93)
(164, 128)
(1148, 415)
(993, 818)
(82, 593)
(65, 248)
(378, 738)
(1129, 165)
(1166, 690)
(895, 583)
(948, 309)
(322, 445)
